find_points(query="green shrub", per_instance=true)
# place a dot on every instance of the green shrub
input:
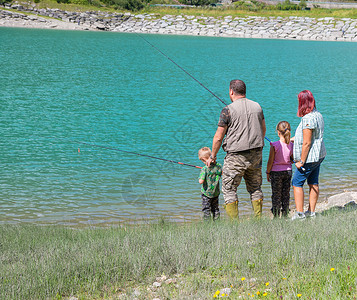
(198, 2)
(287, 5)
(133, 5)
(96, 3)
(302, 4)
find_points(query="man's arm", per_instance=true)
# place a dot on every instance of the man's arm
(264, 127)
(217, 143)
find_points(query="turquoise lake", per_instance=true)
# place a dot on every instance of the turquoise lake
(115, 90)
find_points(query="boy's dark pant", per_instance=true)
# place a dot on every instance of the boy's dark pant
(280, 186)
(210, 205)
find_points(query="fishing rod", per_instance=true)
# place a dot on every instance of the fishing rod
(195, 79)
(270, 142)
(135, 153)
(149, 156)
(206, 88)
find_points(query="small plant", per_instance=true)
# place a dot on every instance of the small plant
(302, 4)
(287, 5)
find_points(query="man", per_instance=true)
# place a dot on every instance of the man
(243, 124)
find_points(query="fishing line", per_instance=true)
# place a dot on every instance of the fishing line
(153, 157)
(195, 79)
(135, 153)
(157, 49)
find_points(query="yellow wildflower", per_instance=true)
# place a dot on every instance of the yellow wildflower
(258, 293)
(267, 284)
(243, 278)
(217, 292)
(284, 278)
(214, 296)
(332, 269)
(299, 295)
(265, 294)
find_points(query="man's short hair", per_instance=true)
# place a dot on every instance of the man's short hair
(238, 87)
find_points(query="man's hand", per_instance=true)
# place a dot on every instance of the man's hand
(210, 160)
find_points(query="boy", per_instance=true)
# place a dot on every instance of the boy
(209, 178)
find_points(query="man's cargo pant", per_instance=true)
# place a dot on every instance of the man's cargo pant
(246, 164)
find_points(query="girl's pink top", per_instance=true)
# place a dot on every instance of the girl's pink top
(283, 152)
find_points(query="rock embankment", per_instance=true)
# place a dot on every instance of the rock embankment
(300, 28)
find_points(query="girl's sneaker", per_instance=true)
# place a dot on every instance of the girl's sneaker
(298, 216)
(310, 214)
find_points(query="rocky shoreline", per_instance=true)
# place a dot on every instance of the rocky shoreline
(299, 28)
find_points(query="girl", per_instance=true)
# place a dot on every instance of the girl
(279, 170)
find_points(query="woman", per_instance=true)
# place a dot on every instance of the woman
(309, 152)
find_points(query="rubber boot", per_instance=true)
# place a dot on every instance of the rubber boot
(232, 210)
(257, 208)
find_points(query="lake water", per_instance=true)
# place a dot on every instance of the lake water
(115, 90)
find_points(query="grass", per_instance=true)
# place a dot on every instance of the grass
(221, 12)
(316, 259)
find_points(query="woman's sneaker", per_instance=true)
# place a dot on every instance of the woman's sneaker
(310, 214)
(298, 216)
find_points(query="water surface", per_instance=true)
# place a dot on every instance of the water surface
(115, 90)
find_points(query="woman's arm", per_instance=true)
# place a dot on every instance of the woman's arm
(270, 161)
(306, 145)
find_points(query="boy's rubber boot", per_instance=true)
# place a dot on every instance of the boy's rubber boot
(232, 210)
(257, 208)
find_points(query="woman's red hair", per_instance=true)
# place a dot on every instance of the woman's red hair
(306, 103)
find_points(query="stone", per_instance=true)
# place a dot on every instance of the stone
(170, 280)
(136, 293)
(156, 284)
(342, 199)
(226, 291)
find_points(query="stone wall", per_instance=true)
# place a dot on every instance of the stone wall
(300, 28)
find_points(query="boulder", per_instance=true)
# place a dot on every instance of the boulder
(342, 199)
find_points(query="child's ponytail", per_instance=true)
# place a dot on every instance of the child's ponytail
(284, 128)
